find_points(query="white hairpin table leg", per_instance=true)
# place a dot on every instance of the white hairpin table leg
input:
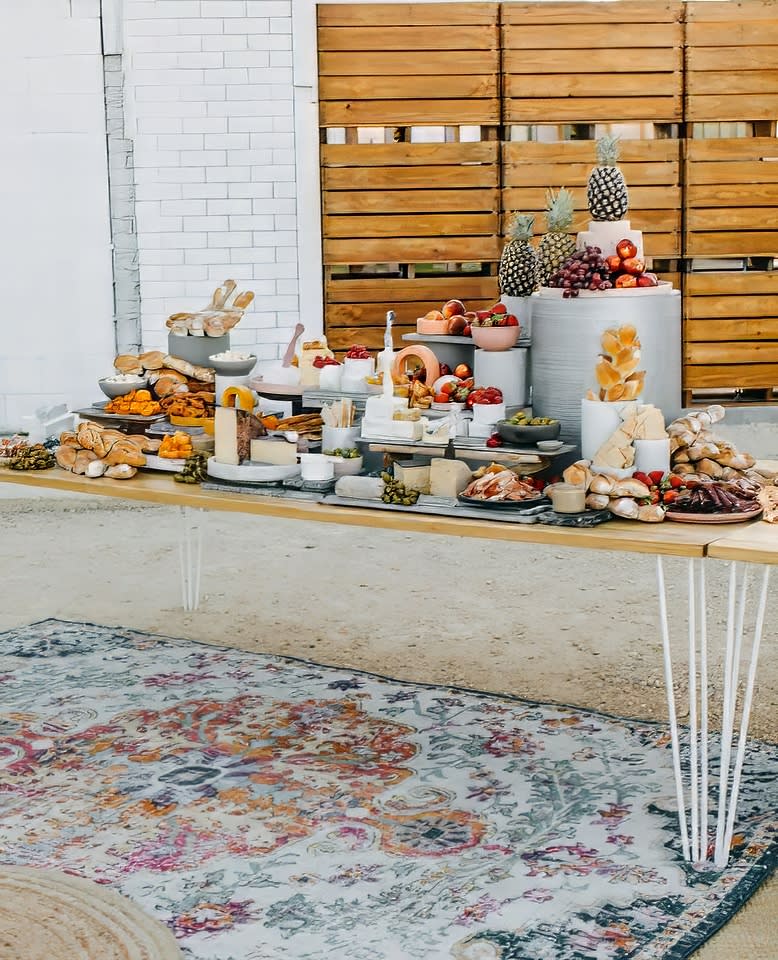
(674, 732)
(726, 820)
(190, 551)
(695, 842)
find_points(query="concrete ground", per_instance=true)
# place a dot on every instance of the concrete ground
(550, 624)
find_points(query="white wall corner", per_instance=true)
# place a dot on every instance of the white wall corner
(307, 166)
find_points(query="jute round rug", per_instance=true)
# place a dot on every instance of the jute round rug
(45, 915)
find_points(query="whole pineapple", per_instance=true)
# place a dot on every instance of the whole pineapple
(607, 189)
(557, 244)
(518, 275)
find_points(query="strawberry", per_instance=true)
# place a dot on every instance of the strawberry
(511, 321)
(675, 481)
(670, 496)
(642, 477)
(656, 476)
(494, 441)
(499, 308)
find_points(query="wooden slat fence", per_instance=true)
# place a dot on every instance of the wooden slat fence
(665, 67)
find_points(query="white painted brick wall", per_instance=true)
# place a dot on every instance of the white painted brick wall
(55, 241)
(213, 110)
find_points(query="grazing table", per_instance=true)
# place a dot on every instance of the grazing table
(750, 549)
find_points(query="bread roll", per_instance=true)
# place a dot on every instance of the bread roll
(120, 471)
(66, 457)
(82, 461)
(710, 468)
(700, 450)
(128, 363)
(578, 474)
(651, 513)
(602, 484)
(152, 360)
(597, 501)
(624, 507)
(630, 487)
(96, 468)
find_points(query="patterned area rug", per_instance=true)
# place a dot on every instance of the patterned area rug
(266, 808)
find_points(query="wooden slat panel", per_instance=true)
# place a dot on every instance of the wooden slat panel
(385, 113)
(737, 352)
(735, 33)
(589, 109)
(733, 172)
(762, 107)
(374, 314)
(411, 201)
(737, 283)
(743, 376)
(729, 58)
(611, 14)
(628, 86)
(641, 199)
(418, 225)
(402, 14)
(744, 194)
(584, 151)
(589, 35)
(576, 174)
(341, 338)
(730, 329)
(408, 178)
(716, 82)
(381, 63)
(733, 307)
(732, 148)
(442, 36)
(407, 154)
(754, 243)
(412, 250)
(408, 87)
(652, 60)
(436, 290)
(722, 218)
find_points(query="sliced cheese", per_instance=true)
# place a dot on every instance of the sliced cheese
(225, 428)
(448, 478)
(279, 452)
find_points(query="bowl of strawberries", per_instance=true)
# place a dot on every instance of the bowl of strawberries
(495, 328)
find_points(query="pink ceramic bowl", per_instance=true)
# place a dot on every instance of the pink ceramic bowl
(495, 338)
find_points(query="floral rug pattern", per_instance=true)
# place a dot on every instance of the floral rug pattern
(266, 808)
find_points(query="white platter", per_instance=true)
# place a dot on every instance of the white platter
(251, 472)
(555, 293)
(164, 463)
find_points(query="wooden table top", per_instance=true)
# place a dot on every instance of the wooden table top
(755, 541)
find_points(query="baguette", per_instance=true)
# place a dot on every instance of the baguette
(205, 374)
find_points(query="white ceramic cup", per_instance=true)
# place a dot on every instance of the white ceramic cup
(315, 466)
(338, 438)
(488, 412)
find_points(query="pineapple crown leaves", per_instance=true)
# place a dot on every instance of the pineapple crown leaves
(559, 210)
(607, 150)
(520, 226)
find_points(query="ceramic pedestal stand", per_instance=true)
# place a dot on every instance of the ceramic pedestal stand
(566, 342)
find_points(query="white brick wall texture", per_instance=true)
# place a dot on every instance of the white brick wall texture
(212, 100)
(56, 335)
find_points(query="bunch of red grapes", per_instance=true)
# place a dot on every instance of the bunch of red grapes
(584, 270)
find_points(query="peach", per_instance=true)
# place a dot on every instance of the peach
(453, 308)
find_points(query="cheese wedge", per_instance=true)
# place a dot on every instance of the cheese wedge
(279, 452)
(448, 478)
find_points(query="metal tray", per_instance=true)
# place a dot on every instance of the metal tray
(97, 412)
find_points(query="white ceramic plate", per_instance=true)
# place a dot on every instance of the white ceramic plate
(251, 472)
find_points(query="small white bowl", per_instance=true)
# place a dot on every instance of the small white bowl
(114, 390)
(233, 368)
(549, 445)
(347, 466)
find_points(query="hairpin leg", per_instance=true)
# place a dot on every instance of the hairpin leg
(190, 551)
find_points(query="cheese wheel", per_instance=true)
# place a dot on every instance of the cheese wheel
(241, 397)
(427, 357)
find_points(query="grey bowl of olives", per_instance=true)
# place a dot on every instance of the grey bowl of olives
(528, 430)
